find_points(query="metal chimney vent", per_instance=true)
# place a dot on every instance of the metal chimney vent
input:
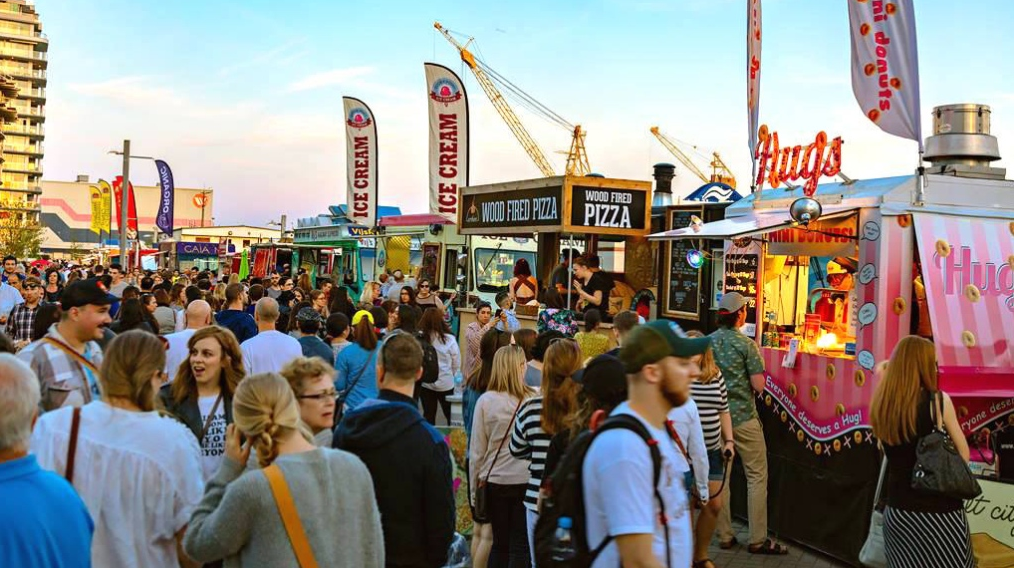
(961, 144)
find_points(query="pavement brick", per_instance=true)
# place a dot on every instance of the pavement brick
(738, 557)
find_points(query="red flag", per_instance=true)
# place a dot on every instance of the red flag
(131, 206)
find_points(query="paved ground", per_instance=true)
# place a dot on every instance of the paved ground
(798, 556)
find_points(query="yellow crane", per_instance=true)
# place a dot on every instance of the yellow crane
(577, 157)
(720, 173)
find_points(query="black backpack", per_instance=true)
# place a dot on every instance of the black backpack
(565, 497)
(430, 362)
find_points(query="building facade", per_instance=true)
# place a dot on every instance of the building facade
(23, 61)
(66, 214)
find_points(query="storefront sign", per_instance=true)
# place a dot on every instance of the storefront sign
(362, 231)
(197, 249)
(991, 520)
(682, 282)
(524, 209)
(794, 163)
(835, 237)
(742, 273)
(606, 207)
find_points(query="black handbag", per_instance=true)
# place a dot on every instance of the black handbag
(939, 469)
(481, 512)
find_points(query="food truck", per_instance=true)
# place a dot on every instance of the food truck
(835, 279)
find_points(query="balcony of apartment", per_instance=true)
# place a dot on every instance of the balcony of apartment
(10, 203)
(20, 187)
(32, 150)
(32, 131)
(35, 37)
(22, 52)
(28, 111)
(30, 167)
(35, 94)
(36, 76)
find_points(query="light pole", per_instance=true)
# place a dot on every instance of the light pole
(125, 195)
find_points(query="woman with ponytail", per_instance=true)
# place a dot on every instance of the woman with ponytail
(138, 472)
(357, 364)
(239, 519)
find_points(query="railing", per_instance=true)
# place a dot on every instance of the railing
(26, 53)
(24, 148)
(19, 204)
(16, 30)
(22, 72)
(13, 128)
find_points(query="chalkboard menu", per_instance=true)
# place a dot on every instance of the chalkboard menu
(682, 282)
(741, 276)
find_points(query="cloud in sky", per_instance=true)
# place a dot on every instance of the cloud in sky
(330, 78)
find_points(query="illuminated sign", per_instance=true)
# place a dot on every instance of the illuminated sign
(198, 249)
(821, 158)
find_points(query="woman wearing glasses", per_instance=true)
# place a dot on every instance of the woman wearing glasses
(312, 379)
(139, 473)
(201, 394)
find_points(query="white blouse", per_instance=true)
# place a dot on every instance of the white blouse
(138, 473)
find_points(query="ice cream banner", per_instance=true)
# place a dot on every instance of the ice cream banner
(753, 69)
(361, 162)
(106, 211)
(448, 110)
(96, 201)
(166, 189)
(885, 65)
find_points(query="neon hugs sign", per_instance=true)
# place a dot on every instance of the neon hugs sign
(810, 163)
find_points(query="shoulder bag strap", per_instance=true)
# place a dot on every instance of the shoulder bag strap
(290, 518)
(75, 425)
(209, 418)
(506, 435)
(880, 482)
(937, 411)
(73, 354)
(355, 381)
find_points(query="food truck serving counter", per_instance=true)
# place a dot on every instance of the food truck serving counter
(835, 295)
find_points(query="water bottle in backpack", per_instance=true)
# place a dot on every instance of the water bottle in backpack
(563, 544)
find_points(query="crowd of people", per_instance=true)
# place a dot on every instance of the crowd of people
(172, 419)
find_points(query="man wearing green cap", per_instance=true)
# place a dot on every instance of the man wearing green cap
(621, 501)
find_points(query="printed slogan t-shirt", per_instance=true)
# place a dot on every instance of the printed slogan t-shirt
(213, 446)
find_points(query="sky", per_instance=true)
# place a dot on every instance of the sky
(244, 97)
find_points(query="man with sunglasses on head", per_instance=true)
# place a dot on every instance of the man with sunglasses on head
(408, 460)
(22, 318)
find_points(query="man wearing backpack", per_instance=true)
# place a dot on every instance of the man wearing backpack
(634, 497)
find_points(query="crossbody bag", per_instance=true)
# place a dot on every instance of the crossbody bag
(290, 517)
(482, 497)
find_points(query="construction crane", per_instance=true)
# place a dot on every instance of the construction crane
(720, 173)
(577, 157)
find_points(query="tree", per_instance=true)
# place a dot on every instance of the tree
(77, 252)
(20, 236)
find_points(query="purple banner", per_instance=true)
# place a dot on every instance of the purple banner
(197, 249)
(164, 219)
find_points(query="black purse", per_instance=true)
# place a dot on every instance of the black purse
(939, 469)
(481, 512)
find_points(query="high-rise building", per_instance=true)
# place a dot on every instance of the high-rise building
(23, 50)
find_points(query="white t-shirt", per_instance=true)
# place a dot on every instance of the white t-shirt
(178, 351)
(269, 351)
(213, 447)
(138, 473)
(687, 422)
(620, 500)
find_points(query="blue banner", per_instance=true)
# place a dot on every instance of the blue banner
(164, 219)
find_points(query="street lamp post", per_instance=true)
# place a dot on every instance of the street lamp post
(125, 195)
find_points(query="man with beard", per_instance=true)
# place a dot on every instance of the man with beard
(648, 523)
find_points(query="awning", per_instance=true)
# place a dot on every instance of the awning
(753, 224)
(969, 278)
(414, 220)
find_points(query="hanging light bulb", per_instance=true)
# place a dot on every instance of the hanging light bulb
(695, 258)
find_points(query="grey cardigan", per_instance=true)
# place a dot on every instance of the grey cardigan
(238, 520)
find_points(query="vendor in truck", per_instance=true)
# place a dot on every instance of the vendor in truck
(592, 286)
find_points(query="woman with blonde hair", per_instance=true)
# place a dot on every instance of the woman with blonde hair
(312, 380)
(542, 417)
(712, 401)
(201, 395)
(138, 472)
(921, 530)
(240, 519)
(502, 477)
(219, 293)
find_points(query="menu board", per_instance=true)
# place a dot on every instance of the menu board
(682, 281)
(741, 275)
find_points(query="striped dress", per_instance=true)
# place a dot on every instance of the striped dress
(712, 400)
(528, 441)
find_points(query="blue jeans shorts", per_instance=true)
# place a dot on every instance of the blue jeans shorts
(716, 465)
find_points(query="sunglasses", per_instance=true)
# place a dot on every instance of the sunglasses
(321, 396)
(31, 286)
(421, 286)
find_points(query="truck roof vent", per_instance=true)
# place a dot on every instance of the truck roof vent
(961, 144)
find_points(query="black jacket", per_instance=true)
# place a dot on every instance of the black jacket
(188, 412)
(411, 467)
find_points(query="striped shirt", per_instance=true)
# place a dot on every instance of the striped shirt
(529, 442)
(712, 400)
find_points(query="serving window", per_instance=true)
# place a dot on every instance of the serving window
(809, 281)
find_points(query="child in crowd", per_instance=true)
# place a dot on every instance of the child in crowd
(503, 300)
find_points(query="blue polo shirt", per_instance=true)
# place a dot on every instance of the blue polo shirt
(43, 522)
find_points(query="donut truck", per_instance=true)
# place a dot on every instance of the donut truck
(836, 274)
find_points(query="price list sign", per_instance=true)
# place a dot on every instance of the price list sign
(682, 281)
(741, 273)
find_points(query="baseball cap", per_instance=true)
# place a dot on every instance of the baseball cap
(358, 317)
(654, 341)
(308, 314)
(603, 379)
(84, 293)
(731, 302)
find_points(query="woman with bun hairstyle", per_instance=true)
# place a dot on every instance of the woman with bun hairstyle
(239, 519)
(138, 472)
(201, 395)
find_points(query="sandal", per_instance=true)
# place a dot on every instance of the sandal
(727, 544)
(706, 563)
(768, 547)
